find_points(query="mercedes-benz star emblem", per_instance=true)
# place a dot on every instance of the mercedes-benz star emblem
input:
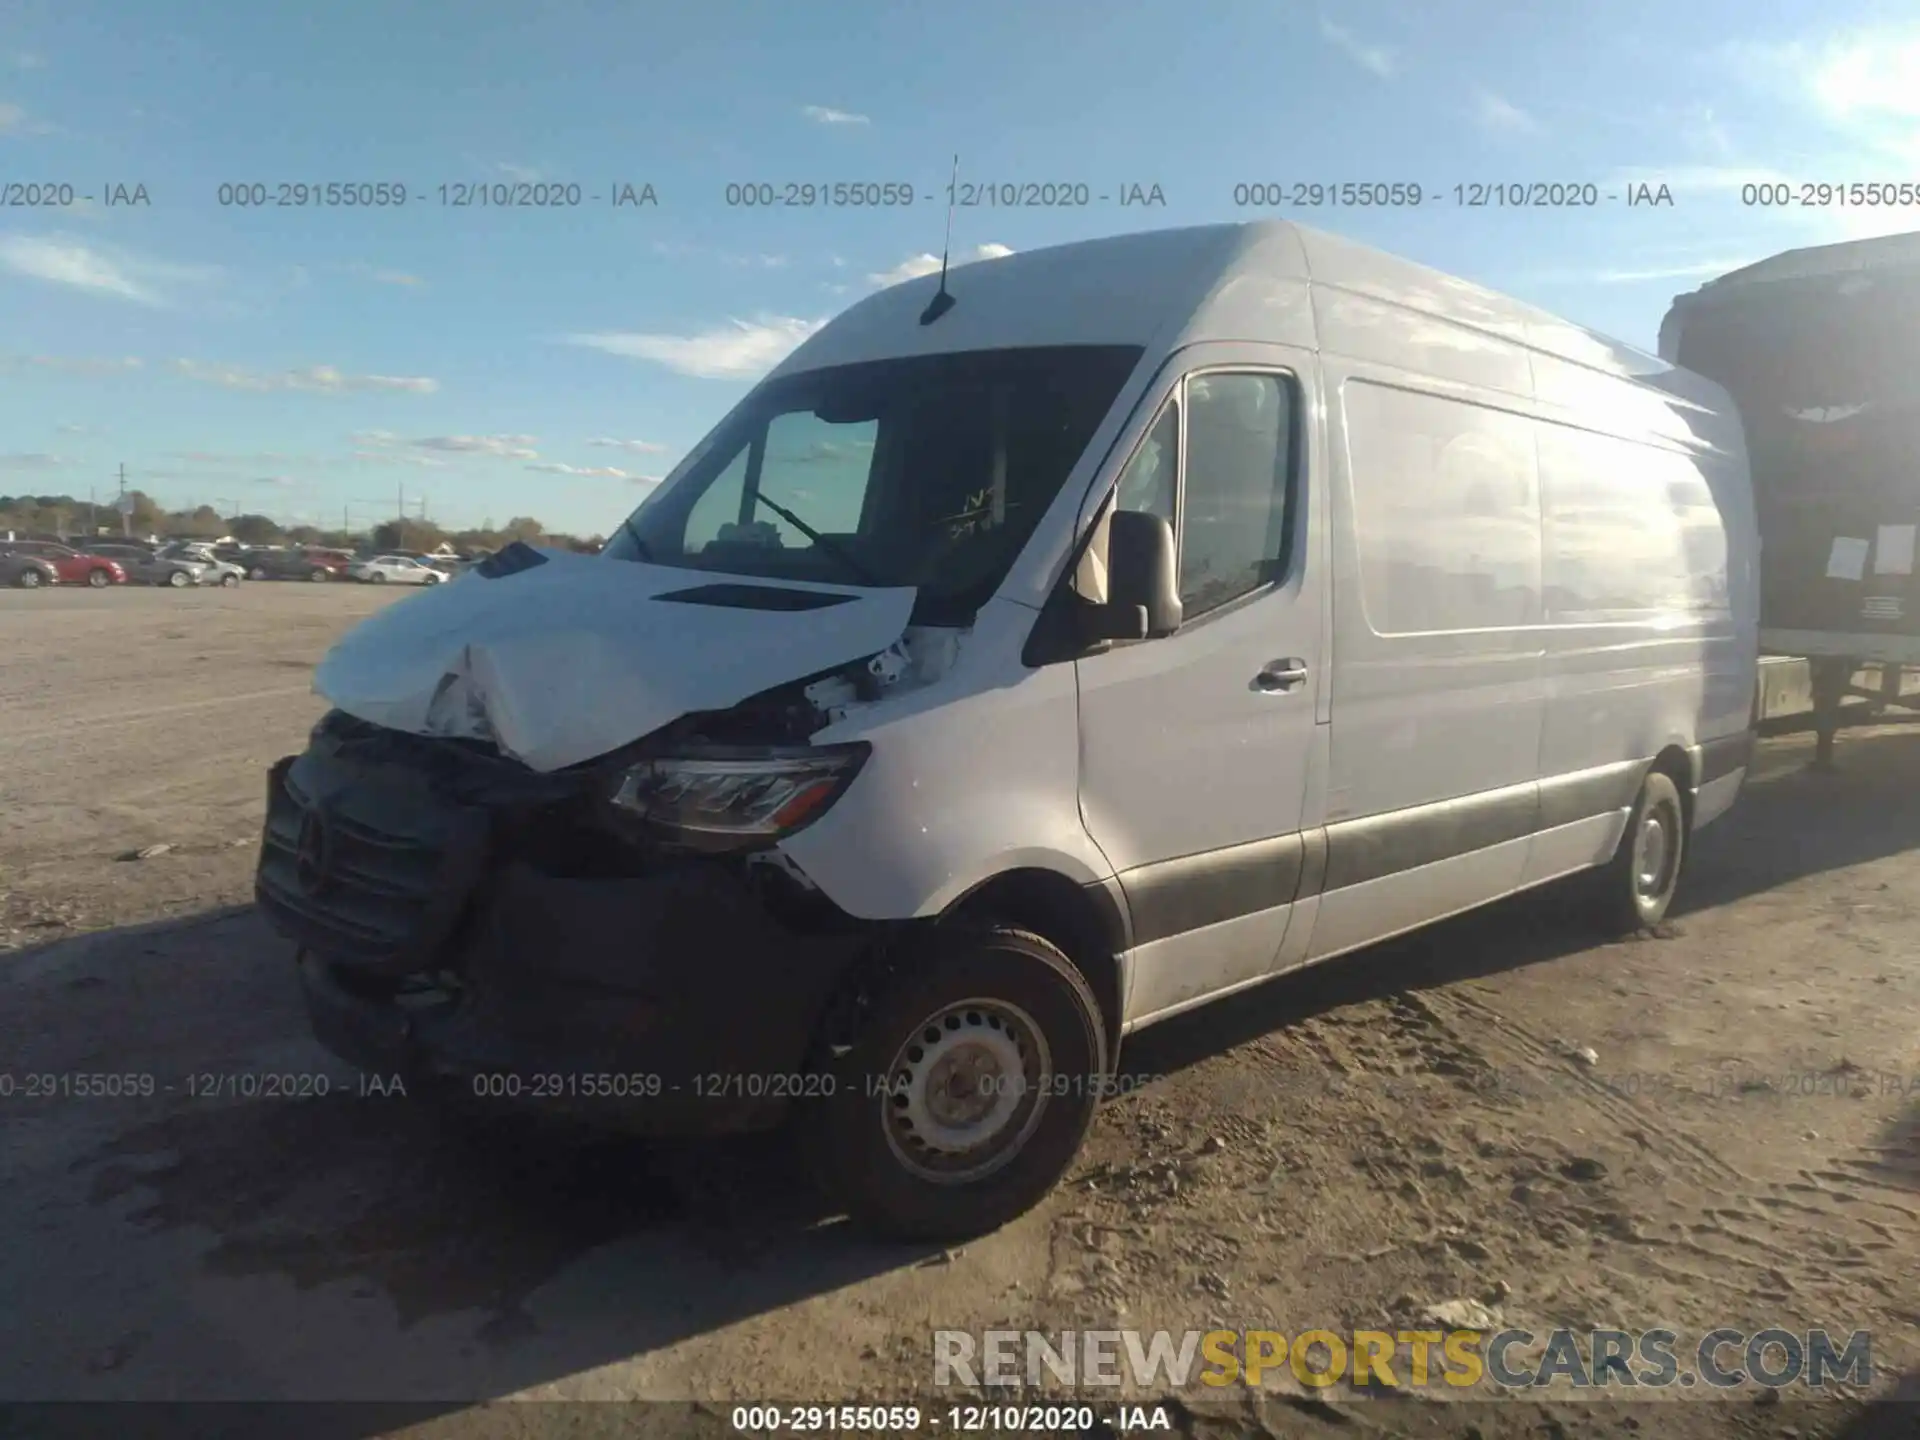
(313, 852)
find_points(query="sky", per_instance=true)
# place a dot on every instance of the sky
(325, 364)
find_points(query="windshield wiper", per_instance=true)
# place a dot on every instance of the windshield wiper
(860, 571)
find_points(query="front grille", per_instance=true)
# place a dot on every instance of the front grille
(366, 863)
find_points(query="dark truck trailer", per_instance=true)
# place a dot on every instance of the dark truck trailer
(1820, 349)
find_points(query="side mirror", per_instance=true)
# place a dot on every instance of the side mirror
(1141, 570)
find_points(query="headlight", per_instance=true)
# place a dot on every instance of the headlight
(723, 801)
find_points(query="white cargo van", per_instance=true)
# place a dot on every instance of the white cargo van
(1151, 618)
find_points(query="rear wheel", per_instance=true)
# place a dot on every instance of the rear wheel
(258, 572)
(319, 575)
(29, 579)
(967, 1091)
(229, 581)
(99, 579)
(1634, 889)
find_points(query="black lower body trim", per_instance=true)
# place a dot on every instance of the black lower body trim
(1720, 758)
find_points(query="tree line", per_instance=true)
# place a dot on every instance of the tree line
(64, 516)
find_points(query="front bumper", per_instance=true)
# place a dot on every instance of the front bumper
(671, 1002)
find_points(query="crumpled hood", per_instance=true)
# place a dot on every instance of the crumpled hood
(568, 659)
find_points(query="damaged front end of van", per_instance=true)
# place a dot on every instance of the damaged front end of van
(491, 883)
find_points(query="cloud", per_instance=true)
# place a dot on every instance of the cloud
(526, 174)
(632, 447)
(594, 472)
(316, 379)
(27, 60)
(60, 260)
(77, 429)
(284, 482)
(738, 350)
(219, 457)
(1494, 112)
(12, 118)
(1377, 58)
(504, 447)
(33, 461)
(823, 115)
(1697, 270)
(925, 264)
(389, 457)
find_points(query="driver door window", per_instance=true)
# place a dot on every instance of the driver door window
(1217, 466)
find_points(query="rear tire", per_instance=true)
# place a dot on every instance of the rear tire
(257, 573)
(29, 579)
(229, 582)
(967, 1091)
(1633, 890)
(99, 579)
(319, 576)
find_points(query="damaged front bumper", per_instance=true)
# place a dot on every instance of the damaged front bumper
(465, 923)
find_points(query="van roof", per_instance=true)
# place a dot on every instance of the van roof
(1267, 281)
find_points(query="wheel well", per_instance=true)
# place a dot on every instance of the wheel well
(1677, 766)
(1068, 915)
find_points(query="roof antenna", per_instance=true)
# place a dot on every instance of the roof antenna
(942, 302)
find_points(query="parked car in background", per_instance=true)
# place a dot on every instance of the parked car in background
(302, 564)
(147, 567)
(397, 569)
(218, 571)
(73, 567)
(26, 572)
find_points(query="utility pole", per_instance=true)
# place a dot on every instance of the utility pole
(126, 518)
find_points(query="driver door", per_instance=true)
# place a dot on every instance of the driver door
(1196, 748)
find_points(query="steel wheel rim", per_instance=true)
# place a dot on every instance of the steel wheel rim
(966, 1091)
(1655, 849)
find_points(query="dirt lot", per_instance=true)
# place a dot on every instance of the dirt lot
(1736, 1146)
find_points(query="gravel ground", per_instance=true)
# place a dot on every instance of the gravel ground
(1711, 1126)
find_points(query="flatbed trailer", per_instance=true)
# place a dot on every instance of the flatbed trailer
(1820, 349)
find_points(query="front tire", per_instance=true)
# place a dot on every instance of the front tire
(179, 579)
(319, 577)
(378, 577)
(99, 579)
(967, 1091)
(1633, 890)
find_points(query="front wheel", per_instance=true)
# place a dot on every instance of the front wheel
(179, 579)
(1633, 890)
(966, 1093)
(319, 576)
(99, 579)
(378, 577)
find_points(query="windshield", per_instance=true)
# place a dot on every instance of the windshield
(928, 472)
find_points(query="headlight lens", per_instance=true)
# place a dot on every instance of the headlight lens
(727, 802)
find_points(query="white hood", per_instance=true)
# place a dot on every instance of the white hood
(564, 661)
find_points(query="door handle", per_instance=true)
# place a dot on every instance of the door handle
(1280, 676)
